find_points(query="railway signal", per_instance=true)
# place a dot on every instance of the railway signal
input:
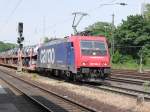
(20, 39)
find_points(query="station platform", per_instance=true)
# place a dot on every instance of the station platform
(6, 99)
(13, 101)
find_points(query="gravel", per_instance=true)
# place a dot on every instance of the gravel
(99, 99)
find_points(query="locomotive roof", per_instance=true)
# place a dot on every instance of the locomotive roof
(56, 41)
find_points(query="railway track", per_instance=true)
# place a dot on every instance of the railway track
(138, 77)
(131, 72)
(125, 90)
(118, 89)
(56, 104)
(121, 90)
(44, 108)
(127, 80)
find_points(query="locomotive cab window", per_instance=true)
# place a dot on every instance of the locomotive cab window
(93, 48)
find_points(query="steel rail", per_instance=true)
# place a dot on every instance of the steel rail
(27, 96)
(132, 76)
(74, 103)
(121, 90)
(126, 80)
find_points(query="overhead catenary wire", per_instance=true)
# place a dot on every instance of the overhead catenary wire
(71, 17)
(10, 15)
(66, 20)
(54, 25)
(101, 5)
(46, 28)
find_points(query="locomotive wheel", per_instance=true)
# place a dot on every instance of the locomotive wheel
(57, 73)
(74, 77)
(67, 76)
(103, 77)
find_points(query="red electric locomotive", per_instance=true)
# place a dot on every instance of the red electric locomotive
(92, 58)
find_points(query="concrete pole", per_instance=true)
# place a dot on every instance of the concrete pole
(113, 41)
(141, 63)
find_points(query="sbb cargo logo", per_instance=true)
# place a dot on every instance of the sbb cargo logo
(47, 56)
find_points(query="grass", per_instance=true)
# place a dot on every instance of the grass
(130, 66)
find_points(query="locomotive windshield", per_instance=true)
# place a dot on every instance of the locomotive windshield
(92, 47)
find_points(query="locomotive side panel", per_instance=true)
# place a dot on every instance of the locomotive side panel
(55, 56)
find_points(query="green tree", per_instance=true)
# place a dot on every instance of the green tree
(46, 39)
(135, 31)
(6, 46)
(131, 37)
(100, 28)
(147, 12)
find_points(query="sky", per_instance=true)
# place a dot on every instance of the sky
(53, 18)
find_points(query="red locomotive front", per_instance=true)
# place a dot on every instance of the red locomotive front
(92, 58)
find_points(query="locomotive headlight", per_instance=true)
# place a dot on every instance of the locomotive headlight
(83, 63)
(105, 63)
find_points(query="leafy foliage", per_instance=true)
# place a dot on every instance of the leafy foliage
(131, 38)
(6, 46)
(46, 39)
(116, 57)
(134, 35)
(147, 12)
(100, 28)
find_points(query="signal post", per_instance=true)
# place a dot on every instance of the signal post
(20, 39)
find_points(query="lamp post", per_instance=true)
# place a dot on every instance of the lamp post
(105, 30)
(141, 59)
(113, 25)
(112, 28)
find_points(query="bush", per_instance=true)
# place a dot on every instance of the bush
(127, 59)
(116, 57)
(147, 61)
